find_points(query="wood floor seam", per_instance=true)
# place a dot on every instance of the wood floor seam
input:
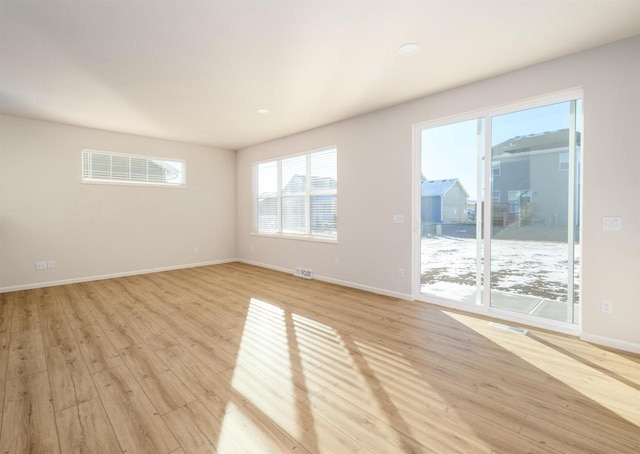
(234, 358)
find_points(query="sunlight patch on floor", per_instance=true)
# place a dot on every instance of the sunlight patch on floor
(590, 381)
(283, 361)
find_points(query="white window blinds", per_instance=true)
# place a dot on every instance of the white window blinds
(297, 195)
(111, 167)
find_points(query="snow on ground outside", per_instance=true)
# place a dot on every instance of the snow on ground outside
(534, 268)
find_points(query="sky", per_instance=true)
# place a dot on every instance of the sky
(451, 151)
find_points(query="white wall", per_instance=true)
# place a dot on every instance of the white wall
(374, 165)
(46, 213)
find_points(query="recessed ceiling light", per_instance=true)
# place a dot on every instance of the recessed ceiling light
(262, 111)
(408, 49)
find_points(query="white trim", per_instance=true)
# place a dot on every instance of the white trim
(147, 158)
(507, 107)
(379, 291)
(300, 237)
(485, 113)
(280, 195)
(296, 154)
(367, 288)
(498, 314)
(100, 277)
(610, 342)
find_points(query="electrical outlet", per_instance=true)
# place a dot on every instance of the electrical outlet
(398, 219)
(195, 250)
(337, 262)
(51, 264)
(41, 265)
(612, 223)
(400, 272)
(607, 307)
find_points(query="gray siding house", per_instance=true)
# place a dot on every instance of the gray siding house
(443, 201)
(530, 177)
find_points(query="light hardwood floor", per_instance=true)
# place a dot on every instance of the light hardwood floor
(234, 358)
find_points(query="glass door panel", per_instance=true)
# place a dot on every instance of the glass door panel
(534, 213)
(450, 188)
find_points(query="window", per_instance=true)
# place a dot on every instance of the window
(498, 260)
(298, 195)
(518, 199)
(118, 168)
(564, 162)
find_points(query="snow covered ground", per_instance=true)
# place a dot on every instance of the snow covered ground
(526, 276)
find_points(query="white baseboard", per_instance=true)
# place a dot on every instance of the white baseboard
(110, 276)
(592, 338)
(264, 265)
(331, 280)
(609, 342)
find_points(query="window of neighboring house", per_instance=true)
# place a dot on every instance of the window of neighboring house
(518, 199)
(495, 169)
(298, 195)
(564, 162)
(120, 168)
(495, 195)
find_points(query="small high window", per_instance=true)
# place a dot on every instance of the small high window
(120, 168)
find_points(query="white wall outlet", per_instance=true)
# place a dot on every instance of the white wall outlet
(607, 307)
(41, 265)
(195, 250)
(400, 272)
(51, 264)
(612, 223)
(337, 262)
(251, 248)
(398, 219)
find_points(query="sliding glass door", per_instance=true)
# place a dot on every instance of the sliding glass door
(534, 222)
(450, 183)
(519, 232)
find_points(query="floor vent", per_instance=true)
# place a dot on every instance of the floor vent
(513, 329)
(302, 272)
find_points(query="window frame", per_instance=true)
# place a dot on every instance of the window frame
(563, 162)
(122, 182)
(496, 167)
(279, 195)
(573, 94)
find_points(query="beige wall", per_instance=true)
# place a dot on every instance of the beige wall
(98, 230)
(375, 171)
(46, 213)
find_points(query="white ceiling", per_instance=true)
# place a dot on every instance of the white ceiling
(196, 71)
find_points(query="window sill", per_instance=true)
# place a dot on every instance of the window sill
(285, 236)
(133, 183)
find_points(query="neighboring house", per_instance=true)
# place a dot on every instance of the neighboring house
(322, 206)
(530, 177)
(443, 201)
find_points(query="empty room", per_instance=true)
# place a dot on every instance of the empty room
(320, 226)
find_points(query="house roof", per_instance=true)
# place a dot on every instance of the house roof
(431, 188)
(298, 183)
(548, 140)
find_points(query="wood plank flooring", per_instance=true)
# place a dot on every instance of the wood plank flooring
(238, 359)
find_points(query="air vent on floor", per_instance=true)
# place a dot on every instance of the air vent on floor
(302, 272)
(513, 329)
